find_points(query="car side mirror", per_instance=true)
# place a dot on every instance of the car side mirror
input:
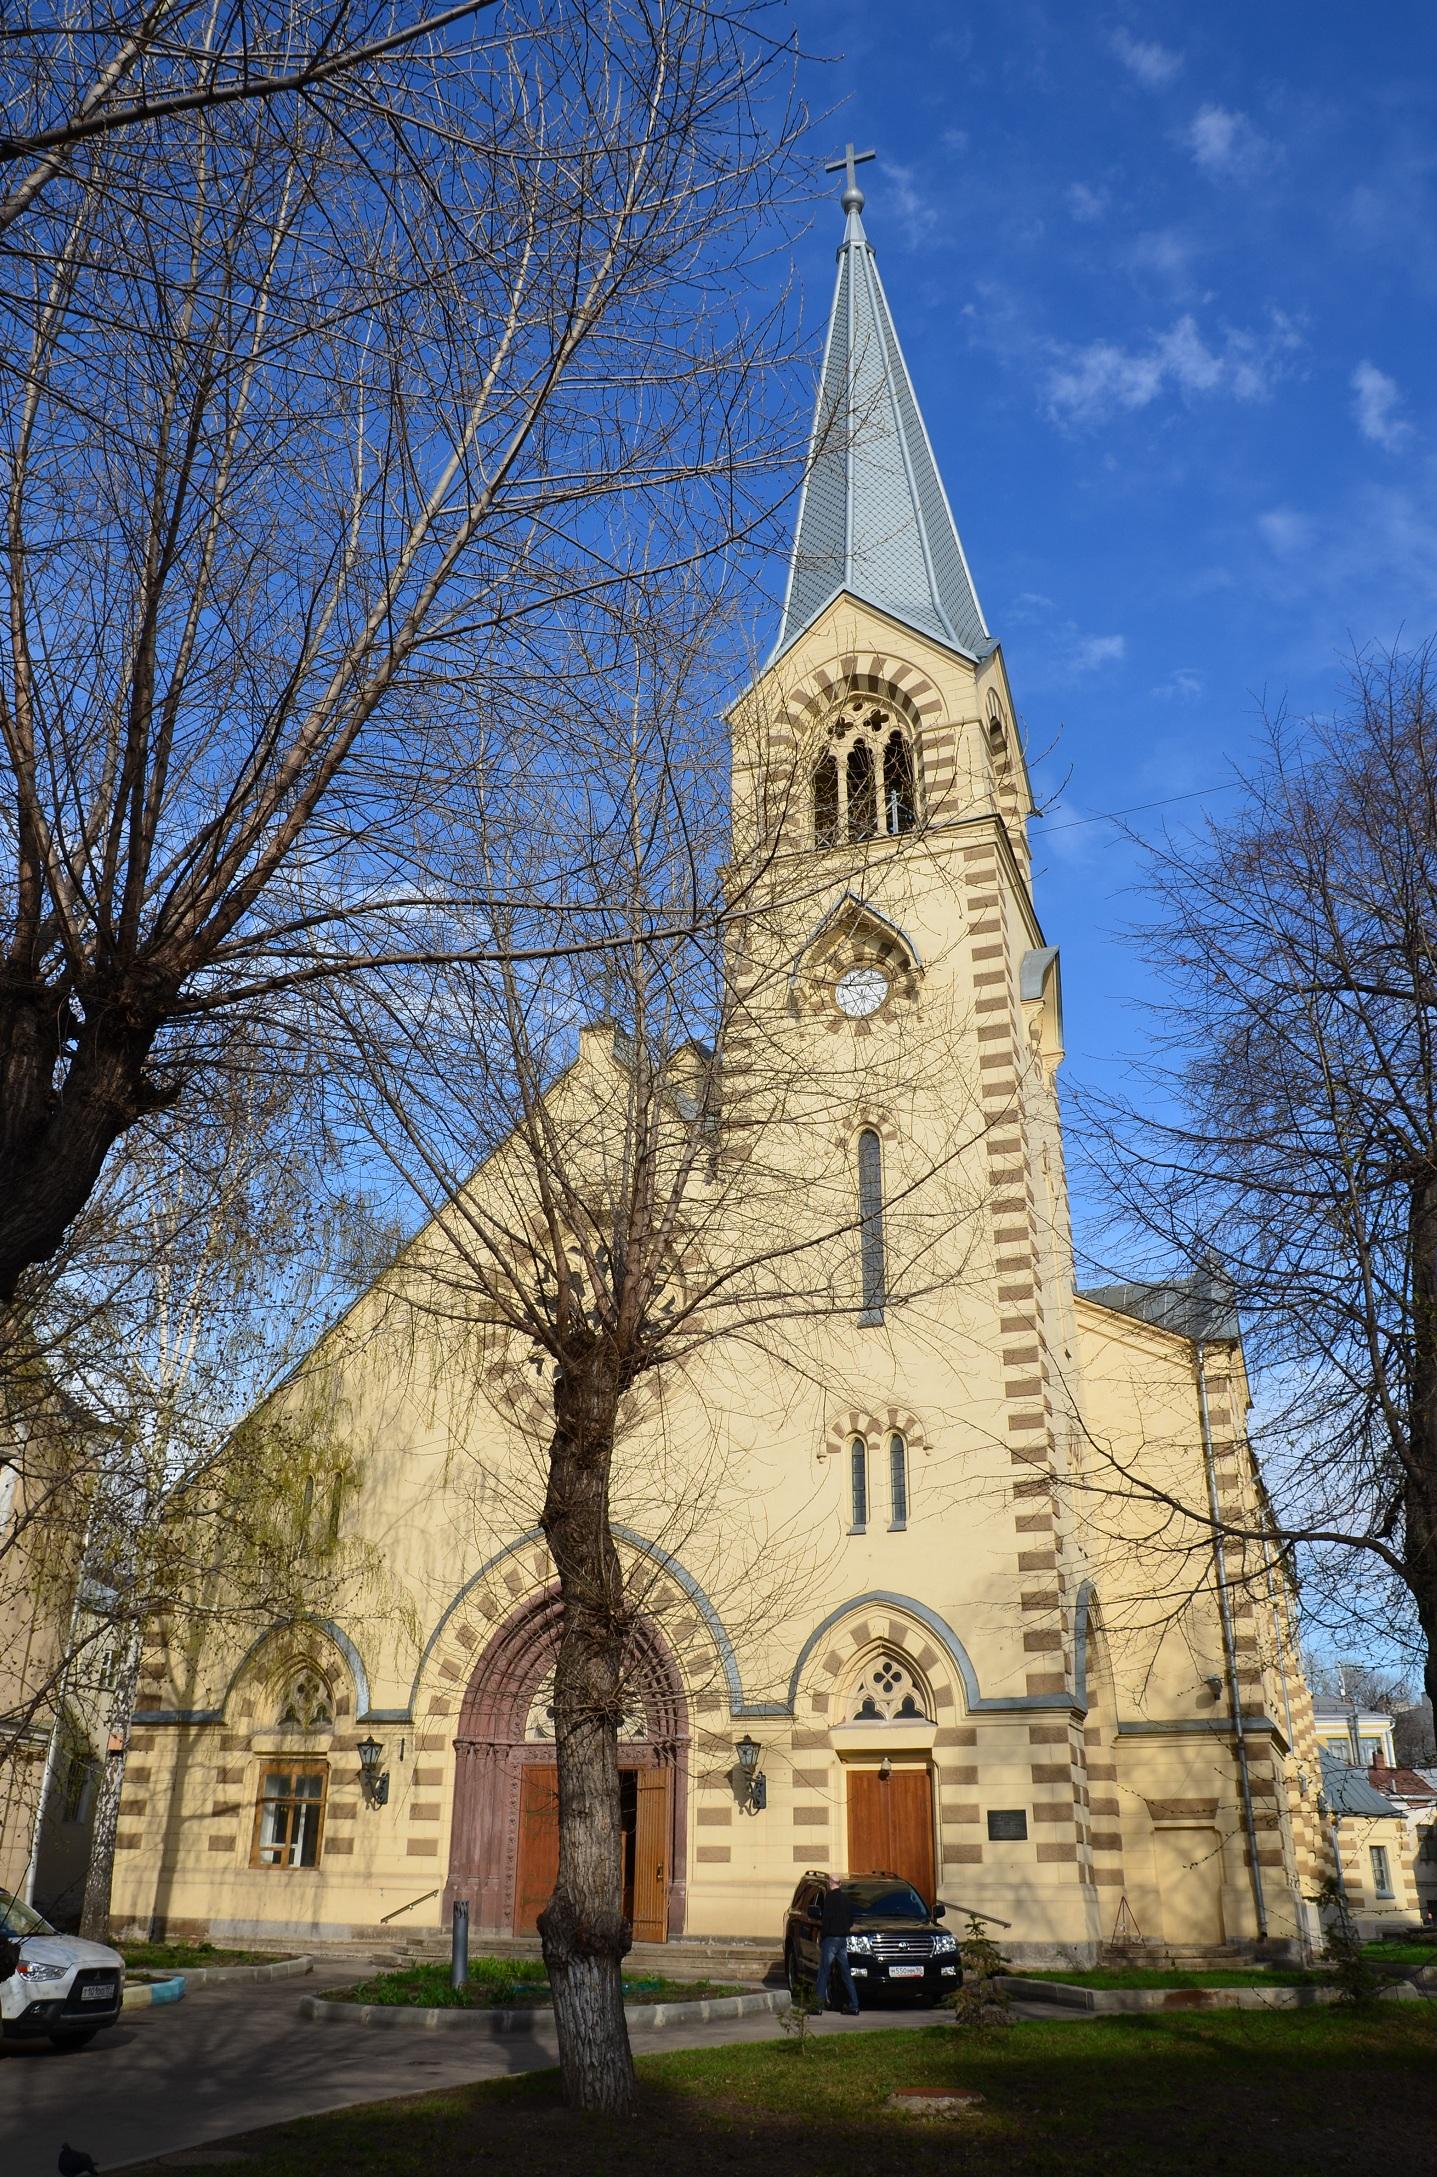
(940, 1910)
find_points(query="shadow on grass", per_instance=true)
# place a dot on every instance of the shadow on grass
(1189, 2096)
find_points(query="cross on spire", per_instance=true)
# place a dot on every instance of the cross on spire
(848, 166)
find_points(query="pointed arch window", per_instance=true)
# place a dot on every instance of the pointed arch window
(306, 1703)
(862, 792)
(858, 1485)
(825, 802)
(897, 1481)
(890, 1691)
(871, 1250)
(899, 811)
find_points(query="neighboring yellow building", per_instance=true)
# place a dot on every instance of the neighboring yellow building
(961, 1646)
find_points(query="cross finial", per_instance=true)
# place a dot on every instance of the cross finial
(847, 166)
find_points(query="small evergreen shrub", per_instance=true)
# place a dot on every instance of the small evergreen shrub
(979, 2000)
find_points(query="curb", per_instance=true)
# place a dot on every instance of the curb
(326, 2011)
(1069, 1997)
(239, 1976)
(141, 1992)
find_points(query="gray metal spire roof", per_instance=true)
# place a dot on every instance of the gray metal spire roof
(874, 519)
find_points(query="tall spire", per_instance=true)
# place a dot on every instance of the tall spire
(874, 519)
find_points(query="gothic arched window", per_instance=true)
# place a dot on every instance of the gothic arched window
(898, 1480)
(307, 1704)
(858, 1484)
(862, 792)
(870, 1226)
(899, 812)
(825, 802)
(889, 1692)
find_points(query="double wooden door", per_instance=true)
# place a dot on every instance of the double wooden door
(646, 1810)
(890, 1825)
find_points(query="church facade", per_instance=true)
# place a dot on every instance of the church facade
(1002, 1664)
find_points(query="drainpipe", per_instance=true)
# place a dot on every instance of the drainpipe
(1228, 1645)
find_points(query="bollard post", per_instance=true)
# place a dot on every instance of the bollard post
(459, 1955)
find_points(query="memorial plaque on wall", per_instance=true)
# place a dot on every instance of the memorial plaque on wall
(1007, 1825)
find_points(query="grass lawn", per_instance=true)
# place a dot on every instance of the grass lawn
(156, 1956)
(495, 1983)
(1404, 1954)
(1151, 1976)
(1222, 2092)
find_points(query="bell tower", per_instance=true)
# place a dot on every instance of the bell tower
(881, 796)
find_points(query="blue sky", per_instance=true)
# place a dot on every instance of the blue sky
(1166, 279)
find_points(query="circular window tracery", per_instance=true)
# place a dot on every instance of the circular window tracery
(306, 1704)
(889, 1692)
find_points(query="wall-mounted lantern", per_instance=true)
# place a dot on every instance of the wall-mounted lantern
(373, 1783)
(752, 1784)
(885, 1770)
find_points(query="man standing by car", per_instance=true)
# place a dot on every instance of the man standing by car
(833, 1910)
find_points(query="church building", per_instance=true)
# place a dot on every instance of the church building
(1004, 1666)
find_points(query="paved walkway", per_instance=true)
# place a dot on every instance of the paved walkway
(229, 2059)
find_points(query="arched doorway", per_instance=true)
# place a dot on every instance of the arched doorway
(505, 1836)
(889, 1782)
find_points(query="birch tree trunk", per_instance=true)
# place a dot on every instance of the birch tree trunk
(95, 1912)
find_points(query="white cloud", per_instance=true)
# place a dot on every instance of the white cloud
(1377, 405)
(1226, 143)
(1086, 204)
(1286, 533)
(1183, 685)
(1093, 381)
(1153, 64)
(1093, 651)
(1162, 250)
(914, 211)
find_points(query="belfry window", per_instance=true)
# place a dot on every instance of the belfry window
(825, 802)
(871, 1251)
(897, 1481)
(858, 1485)
(862, 792)
(898, 809)
(864, 783)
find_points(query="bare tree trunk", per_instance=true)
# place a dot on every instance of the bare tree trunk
(95, 1912)
(584, 1931)
(1420, 1491)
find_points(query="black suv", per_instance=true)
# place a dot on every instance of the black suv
(896, 1947)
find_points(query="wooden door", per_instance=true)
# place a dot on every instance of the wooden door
(890, 1825)
(651, 1855)
(538, 1846)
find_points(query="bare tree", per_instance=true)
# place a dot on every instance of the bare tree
(315, 407)
(1298, 1131)
(82, 72)
(665, 1181)
(145, 1495)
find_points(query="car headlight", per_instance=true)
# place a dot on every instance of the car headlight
(863, 1944)
(31, 1969)
(944, 1944)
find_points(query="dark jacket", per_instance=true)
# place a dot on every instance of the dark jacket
(833, 1910)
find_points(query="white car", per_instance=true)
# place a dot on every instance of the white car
(51, 1984)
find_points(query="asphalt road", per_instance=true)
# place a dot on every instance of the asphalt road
(228, 2059)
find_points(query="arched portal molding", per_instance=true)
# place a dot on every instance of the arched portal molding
(879, 1615)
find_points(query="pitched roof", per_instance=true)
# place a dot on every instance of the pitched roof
(874, 519)
(1402, 1783)
(1348, 1791)
(1199, 1306)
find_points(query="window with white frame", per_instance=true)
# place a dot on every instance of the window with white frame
(1381, 1870)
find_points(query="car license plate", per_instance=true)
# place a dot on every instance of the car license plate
(99, 1992)
(905, 1972)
